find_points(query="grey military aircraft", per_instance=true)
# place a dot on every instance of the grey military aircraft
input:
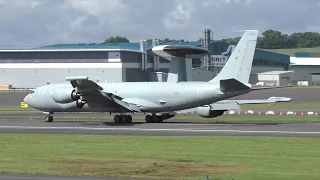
(160, 100)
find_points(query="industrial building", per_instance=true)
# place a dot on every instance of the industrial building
(119, 62)
(308, 69)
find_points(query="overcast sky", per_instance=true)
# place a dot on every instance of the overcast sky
(41, 22)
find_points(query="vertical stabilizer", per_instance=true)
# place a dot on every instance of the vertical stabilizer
(239, 63)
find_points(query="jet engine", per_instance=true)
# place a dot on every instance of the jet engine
(206, 112)
(65, 96)
(80, 103)
(167, 116)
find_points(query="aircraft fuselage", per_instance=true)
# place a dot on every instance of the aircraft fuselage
(153, 96)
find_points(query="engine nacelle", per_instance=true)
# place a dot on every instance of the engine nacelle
(65, 96)
(80, 103)
(205, 112)
(167, 116)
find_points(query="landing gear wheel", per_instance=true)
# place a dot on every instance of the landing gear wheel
(117, 119)
(123, 119)
(149, 119)
(128, 119)
(49, 118)
(159, 119)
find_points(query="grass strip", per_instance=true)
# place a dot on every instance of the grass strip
(238, 158)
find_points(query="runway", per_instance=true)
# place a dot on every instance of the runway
(173, 128)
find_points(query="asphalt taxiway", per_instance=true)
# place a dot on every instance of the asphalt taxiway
(170, 128)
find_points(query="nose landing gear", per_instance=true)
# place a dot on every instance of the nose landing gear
(49, 118)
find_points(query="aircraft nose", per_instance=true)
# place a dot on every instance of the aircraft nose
(27, 99)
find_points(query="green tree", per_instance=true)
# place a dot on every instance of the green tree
(273, 39)
(117, 39)
(167, 40)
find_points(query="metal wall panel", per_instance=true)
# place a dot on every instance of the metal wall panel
(31, 78)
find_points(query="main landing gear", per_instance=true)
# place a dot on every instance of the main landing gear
(122, 119)
(128, 119)
(154, 119)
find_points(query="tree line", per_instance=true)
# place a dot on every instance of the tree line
(119, 39)
(271, 39)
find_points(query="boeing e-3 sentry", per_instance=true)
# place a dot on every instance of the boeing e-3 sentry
(159, 99)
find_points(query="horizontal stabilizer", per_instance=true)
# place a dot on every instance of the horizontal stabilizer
(232, 85)
(263, 101)
(227, 105)
(280, 99)
(272, 87)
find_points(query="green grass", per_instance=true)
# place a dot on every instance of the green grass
(291, 52)
(283, 106)
(238, 158)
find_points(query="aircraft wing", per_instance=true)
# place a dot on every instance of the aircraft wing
(235, 104)
(89, 89)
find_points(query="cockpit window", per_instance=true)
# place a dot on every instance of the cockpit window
(31, 92)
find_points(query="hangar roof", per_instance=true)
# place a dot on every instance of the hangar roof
(132, 46)
(216, 48)
(294, 61)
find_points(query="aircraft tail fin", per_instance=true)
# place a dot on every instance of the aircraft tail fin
(239, 63)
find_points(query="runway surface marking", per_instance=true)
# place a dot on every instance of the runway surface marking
(146, 129)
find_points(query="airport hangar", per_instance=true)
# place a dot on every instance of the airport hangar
(307, 64)
(118, 62)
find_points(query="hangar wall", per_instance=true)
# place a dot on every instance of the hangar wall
(261, 69)
(275, 78)
(201, 75)
(34, 77)
(306, 72)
